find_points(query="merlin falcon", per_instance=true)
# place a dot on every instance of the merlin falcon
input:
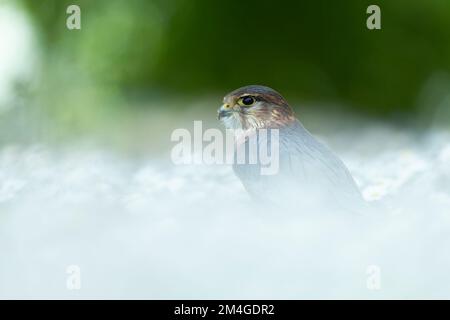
(309, 173)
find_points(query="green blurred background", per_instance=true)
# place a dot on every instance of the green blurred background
(136, 57)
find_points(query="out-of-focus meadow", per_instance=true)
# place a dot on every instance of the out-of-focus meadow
(85, 123)
(136, 66)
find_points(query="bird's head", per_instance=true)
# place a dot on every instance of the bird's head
(255, 107)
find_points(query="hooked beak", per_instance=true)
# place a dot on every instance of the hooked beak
(224, 111)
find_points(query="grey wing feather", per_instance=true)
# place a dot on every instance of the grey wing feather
(311, 160)
(306, 166)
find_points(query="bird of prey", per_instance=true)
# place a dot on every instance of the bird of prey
(309, 173)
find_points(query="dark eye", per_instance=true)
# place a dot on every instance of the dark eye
(248, 101)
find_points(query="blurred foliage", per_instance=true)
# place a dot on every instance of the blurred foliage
(314, 50)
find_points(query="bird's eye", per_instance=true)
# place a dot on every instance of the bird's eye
(247, 101)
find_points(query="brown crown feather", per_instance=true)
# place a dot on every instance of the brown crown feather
(274, 113)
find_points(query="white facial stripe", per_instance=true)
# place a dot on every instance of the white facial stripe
(232, 122)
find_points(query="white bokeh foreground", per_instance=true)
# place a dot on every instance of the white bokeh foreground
(151, 230)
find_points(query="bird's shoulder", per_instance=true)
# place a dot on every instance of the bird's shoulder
(305, 157)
